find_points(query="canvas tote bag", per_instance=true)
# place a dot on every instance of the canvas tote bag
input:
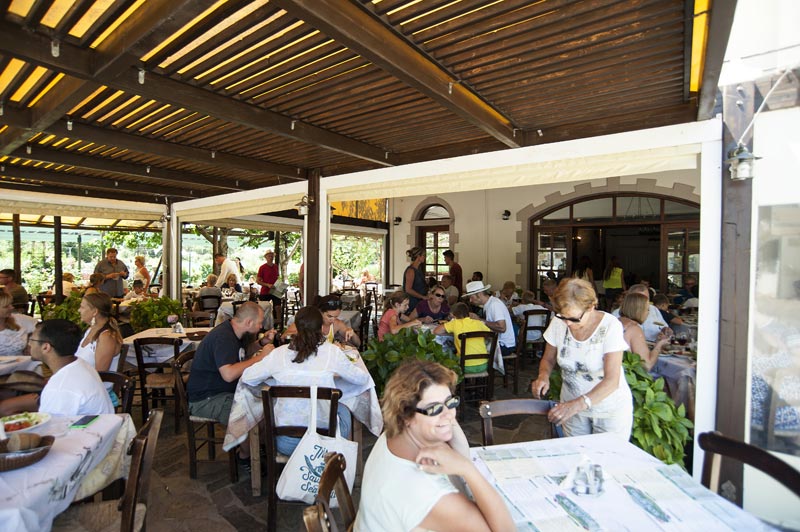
(299, 480)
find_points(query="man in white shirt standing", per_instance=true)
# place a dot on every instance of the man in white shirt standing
(226, 267)
(75, 389)
(497, 317)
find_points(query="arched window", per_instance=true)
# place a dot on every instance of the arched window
(433, 225)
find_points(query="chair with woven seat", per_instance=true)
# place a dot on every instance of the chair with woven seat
(129, 513)
(531, 334)
(275, 460)
(717, 445)
(319, 517)
(201, 318)
(154, 384)
(123, 386)
(475, 387)
(494, 409)
(181, 367)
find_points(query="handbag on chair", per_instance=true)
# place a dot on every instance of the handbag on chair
(299, 480)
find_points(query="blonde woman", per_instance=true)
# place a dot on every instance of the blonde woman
(632, 313)
(102, 341)
(95, 282)
(141, 273)
(14, 328)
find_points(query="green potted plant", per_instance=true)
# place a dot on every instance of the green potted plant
(66, 310)
(383, 357)
(153, 313)
(659, 427)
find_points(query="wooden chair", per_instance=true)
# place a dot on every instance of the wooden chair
(30, 310)
(356, 302)
(494, 409)
(371, 292)
(129, 513)
(716, 446)
(511, 365)
(236, 305)
(43, 300)
(195, 424)
(210, 303)
(363, 328)
(201, 318)
(154, 385)
(532, 320)
(319, 517)
(123, 386)
(275, 460)
(480, 385)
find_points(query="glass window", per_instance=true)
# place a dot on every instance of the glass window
(638, 208)
(558, 217)
(673, 210)
(593, 210)
(435, 212)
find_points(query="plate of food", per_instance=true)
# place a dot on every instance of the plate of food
(25, 421)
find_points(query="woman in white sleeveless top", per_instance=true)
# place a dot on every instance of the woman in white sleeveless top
(102, 341)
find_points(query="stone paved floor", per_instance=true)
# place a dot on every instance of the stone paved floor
(212, 503)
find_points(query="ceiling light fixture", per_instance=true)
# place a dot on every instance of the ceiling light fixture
(141, 76)
(55, 48)
(69, 124)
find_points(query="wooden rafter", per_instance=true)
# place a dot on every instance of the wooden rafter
(362, 33)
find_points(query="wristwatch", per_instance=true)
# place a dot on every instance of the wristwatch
(587, 401)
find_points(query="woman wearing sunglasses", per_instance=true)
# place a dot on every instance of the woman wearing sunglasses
(587, 344)
(434, 308)
(333, 329)
(405, 485)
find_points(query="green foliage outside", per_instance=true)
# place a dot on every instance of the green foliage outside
(354, 254)
(67, 310)
(382, 358)
(659, 427)
(152, 313)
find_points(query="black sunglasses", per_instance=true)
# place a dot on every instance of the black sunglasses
(440, 296)
(332, 304)
(437, 408)
(573, 320)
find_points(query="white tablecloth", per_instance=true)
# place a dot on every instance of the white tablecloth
(225, 312)
(9, 365)
(160, 354)
(680, 373)
(81, 462)
(640, 492)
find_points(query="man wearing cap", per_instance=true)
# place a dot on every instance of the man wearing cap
(497, 317)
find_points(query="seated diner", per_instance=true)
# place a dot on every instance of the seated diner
(394, 319)
(333, 329)
(434, 308)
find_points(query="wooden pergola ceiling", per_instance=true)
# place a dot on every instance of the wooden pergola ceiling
(174, 98)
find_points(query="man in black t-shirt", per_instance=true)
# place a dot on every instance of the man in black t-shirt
(221, 360)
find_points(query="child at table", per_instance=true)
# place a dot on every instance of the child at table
(462, 323)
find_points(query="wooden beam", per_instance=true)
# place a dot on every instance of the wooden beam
(18, 43)
(71, 179)
(22, 119)
(349, 24)
(47, 155)
(719, 30)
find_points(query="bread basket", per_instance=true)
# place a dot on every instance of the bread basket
(10, 461)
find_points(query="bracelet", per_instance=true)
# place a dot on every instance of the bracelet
(587, 401)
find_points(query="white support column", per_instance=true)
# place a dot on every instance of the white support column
(324, 243)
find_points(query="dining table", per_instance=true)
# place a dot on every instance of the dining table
(81, 462)
(678, 367)
(10, 364)
(602, 482)
(160, 354)
(248, 411)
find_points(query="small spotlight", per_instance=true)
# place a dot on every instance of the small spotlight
(148, 168)
(506, 214)
(397, 220)
(141, 76)
(28, 149)
(69, 124)
(55, 48)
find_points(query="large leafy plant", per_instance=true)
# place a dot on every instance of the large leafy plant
(659, 427)
(152, 313)
(66, 310)
(382, 358)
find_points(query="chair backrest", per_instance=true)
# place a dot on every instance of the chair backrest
(201, 318)
(142, 451)
(534, 320)
(31, 309)
(492, 409)
(210, 302)
(123, 357)
(271, 393)
(180, 366)
(123, 386)
(716, 445)
(332, 480)
(236, 305)
(363, 328)
(151, 430)
(484, 356)
(142, 366)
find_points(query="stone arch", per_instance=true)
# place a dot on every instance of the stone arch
(417, 222)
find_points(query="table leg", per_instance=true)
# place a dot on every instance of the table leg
(357, 437)
(255, 461)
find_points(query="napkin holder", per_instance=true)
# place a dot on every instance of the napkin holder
(586, 478)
